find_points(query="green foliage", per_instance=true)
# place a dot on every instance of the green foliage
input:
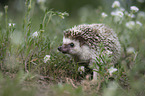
(15, 87)
(23, 46)
(67, 90)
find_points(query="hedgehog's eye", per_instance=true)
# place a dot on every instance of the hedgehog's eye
(71, 44)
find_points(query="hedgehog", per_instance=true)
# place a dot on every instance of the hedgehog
(82, 42)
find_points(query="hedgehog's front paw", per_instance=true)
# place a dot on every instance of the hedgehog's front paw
(89, 85)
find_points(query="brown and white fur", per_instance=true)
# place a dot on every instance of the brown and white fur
(82, 43)
(80, 53)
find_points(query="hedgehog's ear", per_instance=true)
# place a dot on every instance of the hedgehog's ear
(81, 40)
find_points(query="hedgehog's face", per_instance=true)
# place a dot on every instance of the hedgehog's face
(70, 46)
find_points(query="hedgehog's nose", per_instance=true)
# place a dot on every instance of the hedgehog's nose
(59, 48)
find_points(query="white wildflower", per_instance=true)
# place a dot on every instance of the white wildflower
(41, 1)
(55, 65)
(122, 9)
(35, 34)
(141, 1)
(81, 69)
(134, 9)
(46, 58)
(116, 4)
(118, 19)
(141, 15)
(130, 24)
(130, 50)
(42, 4)
(11, 24)
(117, 13)
(133, 24)
(112, 70)
(126, 13)
(62, 15)
(118, 16)
(139, 23)
(131, 15)
(104, 14)
(113, 13)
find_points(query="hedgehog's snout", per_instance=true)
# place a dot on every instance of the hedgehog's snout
(63, 49)
(59, 48)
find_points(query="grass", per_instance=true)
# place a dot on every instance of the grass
(24, 72)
